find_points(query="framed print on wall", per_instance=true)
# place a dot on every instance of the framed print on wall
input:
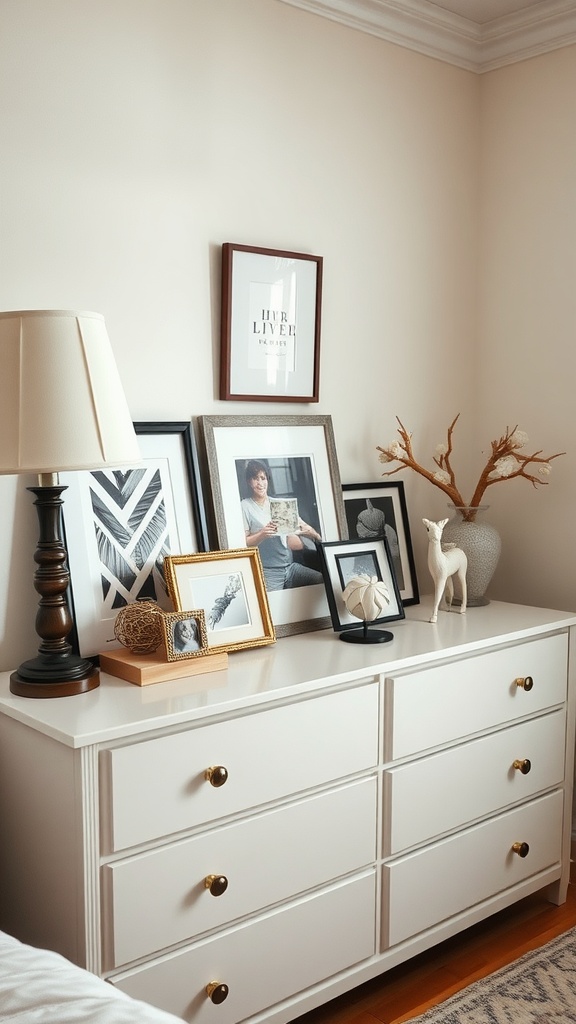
(270, 326)
(121, 523)
(380, 509)
(255, 460)
(229, 588)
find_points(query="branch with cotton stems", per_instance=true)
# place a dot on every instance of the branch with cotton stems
(505, 462)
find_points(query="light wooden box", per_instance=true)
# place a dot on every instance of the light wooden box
(143, 669)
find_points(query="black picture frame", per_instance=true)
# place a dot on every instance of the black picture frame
(119, 524)
(388, 501)
(341, 560)
(182, 431)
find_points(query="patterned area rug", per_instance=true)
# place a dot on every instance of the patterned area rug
(539, 988)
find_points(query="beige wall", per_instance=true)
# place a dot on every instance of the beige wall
(141, 134)
(526, 352)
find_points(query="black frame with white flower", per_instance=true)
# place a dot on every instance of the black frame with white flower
(388, 503)
(229, 587)
(341, 561)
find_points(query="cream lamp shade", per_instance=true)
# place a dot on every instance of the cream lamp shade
(62, 405)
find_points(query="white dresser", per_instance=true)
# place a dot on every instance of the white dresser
(250, 843)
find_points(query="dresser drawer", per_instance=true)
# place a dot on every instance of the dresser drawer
(159, 787)
(265, 961)
(439, 793)
(266, 860)
(447, 878)
(437, 705)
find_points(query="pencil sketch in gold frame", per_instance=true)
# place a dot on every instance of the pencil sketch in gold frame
(185, 634)
(229, 587)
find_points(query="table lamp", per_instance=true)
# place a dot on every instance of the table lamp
(62, 407)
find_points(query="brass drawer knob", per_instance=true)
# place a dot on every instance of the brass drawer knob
(217, 775)
(217, 884)
(525, 682)
(522, 849)
(217, 992)
(523, 765)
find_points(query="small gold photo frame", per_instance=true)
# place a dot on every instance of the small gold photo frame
(229, 587)
(185, 634)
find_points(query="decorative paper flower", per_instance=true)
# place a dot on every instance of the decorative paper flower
(504, 467)
(518, 439)
(441, 477)
(366, 596)
(504, 463)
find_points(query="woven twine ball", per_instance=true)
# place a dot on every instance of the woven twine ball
(138, 627)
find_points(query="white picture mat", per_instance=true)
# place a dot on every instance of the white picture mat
(93, 612)
(356, 551)
(385, 496)
(287, 286)
(189, 573)
(249, 442)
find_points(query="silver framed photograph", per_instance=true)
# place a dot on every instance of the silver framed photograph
(229, 588)
(254, 460)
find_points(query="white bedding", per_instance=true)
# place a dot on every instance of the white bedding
(41, 987)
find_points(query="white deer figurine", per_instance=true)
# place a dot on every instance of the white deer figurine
(444, 563)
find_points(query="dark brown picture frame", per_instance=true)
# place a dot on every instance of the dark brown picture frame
(270, 343)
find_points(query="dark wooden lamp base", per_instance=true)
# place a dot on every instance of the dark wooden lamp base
(56, 671)
(45, 685)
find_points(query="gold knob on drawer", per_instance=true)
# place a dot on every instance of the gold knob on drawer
(217, 992)
(217, 884)
(523, 765)
(217, 775)
(522, 849)
(525, 682)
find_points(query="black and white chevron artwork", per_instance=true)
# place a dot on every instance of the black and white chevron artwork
(131, 530)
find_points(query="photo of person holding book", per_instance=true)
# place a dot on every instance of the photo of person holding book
(277, 549)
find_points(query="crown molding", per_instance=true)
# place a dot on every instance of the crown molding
(527, 34)
(422, 26)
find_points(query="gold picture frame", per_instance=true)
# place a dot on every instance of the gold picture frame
(229, 588)
(185, 634)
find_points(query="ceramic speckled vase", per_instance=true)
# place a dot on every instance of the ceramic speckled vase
(481, 544)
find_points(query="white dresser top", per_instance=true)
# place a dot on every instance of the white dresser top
(293, 665)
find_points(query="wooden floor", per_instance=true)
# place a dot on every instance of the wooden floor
(428, 979)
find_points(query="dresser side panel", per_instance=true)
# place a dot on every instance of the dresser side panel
(39, 863)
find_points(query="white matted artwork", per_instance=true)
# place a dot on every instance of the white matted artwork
(229, 588)
(270, 324)
(121, 523)
(297, 454)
